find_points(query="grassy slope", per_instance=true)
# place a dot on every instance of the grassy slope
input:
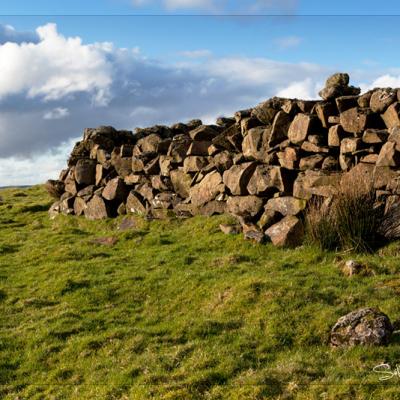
(177, 310)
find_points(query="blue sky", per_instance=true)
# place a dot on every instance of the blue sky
(315, 7)
(61, 73)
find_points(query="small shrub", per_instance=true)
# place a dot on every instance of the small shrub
(350, 221)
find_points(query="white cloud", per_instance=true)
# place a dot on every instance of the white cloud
(305, 89)
(386, 81)
(196, 53)
(56, 113)
(38, 169)
(288, 42)
(9, 34)
(54, 67)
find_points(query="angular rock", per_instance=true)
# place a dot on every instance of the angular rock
(149, 144)
(255, 143)
(166, 165)
(266, 111)
(370, 159)
(330, 164)
(335, 135)
(388, 156)
(123, 165)
(199, 148)
(269, 218)
(223, 161)
(268, 179)
(134, 204)
(355, 120)
(248, 123)
(287, 205)
(179, 146)
(152, 167)
(230, 229)
(237, 177)
(289, 232)
(115, 190)
(350, 145)
(289, 158)
(381, 99)
(338, 79)
(375, 136)
(280, 128)
(316, 183)
(324, 111)
(85, 172)
(79, 206)
(343, 103)
(97, 208)
(311, 162)
(203, 133)
(313, 148)
(194, 163)
(391, 117)
(166, 200)
(208, 189)
(254, 234)
(244, 206)
(181, 182)
(366, 326)
(300, 128)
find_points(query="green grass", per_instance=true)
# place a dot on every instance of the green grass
(178, 310)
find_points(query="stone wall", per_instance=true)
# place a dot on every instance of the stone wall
(261, 166)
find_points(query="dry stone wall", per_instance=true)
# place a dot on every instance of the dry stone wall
(262, 165)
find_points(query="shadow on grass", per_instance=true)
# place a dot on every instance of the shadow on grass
(8, 249)
(36, 208)
(72, 286)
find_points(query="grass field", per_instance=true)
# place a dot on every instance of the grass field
(178, 310)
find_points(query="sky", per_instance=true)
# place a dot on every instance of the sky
(133, 63)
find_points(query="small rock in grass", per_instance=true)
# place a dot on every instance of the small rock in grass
(106, 241)
(230, 229)
(353, 267)
(366, 326)
(126, 224)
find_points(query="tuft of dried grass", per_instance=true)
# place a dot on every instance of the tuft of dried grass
(350, 220)
(54, 188)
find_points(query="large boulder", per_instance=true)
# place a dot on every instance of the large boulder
(85, 172)
(181, 181)
(238, 176)
(287, 205)
(244, 206)
(300, 128)
(97, 208)
(208, 189)
(115, 190)
(268, 179)
(366, 326)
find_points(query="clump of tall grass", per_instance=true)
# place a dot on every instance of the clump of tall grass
(350, 220)
(54, 188)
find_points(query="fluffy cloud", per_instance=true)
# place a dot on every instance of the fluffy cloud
(58, 67)
(9, 34)
(56, 113)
